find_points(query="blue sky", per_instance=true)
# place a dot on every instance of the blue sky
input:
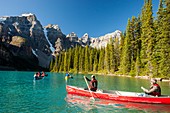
(95, 17)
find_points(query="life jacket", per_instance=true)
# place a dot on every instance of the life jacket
(43, 74)
(38, 74)
(93, 84)
(157, 92)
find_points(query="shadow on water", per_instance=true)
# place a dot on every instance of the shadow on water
(86, 104)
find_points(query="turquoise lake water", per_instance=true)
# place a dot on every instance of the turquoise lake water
(19, 93)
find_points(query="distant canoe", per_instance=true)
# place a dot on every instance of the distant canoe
(46, 75)
(38, 78)
(118, 95)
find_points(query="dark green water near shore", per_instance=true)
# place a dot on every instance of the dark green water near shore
(19, 93)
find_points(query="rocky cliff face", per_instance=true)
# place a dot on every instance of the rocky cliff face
(24, 34)
(102, 41)
(56, 38)
(24, 41)
(15, 58)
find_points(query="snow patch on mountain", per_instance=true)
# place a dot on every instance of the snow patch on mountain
(27, 14)
(51, 46)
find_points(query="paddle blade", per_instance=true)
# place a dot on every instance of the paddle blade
(92, 98)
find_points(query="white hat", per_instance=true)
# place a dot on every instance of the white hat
(153, 80)
(92, 76)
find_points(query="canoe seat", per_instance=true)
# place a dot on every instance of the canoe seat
(109, 91)
(122, 93)
(99, 91)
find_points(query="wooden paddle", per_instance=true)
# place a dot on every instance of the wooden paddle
(89, 88)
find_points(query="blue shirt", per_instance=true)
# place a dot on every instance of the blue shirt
(67, 74)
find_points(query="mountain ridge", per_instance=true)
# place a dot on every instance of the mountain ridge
(31, 39)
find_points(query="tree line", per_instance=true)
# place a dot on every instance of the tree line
(144, 48)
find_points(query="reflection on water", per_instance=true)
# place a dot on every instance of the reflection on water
(87, 104)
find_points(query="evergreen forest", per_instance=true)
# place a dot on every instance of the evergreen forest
(143, 50)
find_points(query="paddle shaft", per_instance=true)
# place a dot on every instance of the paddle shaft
(88, 87)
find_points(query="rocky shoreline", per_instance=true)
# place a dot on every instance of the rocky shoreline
(158, 79)
(5, 68)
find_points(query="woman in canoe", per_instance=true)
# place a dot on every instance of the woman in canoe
(155, 89)
(93, 83)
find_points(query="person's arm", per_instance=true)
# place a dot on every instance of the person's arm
(88, 79)
(152, 90)
(144, 89)
(149, 91)
(70, 76)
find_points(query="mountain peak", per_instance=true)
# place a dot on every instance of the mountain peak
(27, 14)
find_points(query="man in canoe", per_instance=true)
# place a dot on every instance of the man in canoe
(155, 89)
(93, 83)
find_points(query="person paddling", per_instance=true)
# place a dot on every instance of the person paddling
(67, 76)
(93, 83)
(155, 89)
(37, 74)
(42, 74)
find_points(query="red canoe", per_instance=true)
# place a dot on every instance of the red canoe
(118, 95)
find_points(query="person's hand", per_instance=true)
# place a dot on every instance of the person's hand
(145, 90)
(142, 88)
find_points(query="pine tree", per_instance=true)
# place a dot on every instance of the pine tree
(158, 24)
(76, 57)
(81, 59)
(120, 50)
(126, 54)
(138, 35)
(112, 57)
(86, 59)
(165, 50)
(69, 59)
(61, 63)
(117, 51)
(95, 65)
(133, 44)
(58, 64)
(91, 59)
(101, 59)
(137, 65)
(65, 61)
(137, 32)
(107, 58)
(52, 64)
(147, 38)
